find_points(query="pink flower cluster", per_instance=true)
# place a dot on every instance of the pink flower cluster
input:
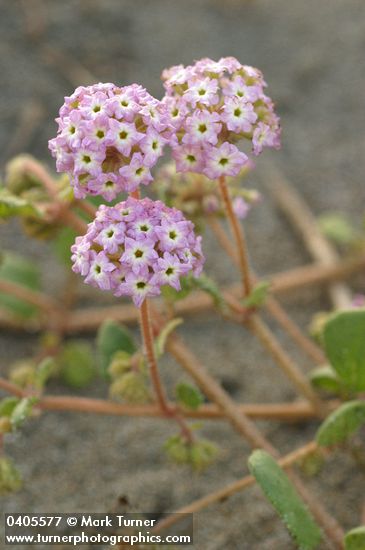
(109, 138)
(211, 106)
(136, 247)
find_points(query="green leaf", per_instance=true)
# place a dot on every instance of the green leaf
(258, 295)
(7, 405)
(22, 411)
(113, 337)
(10, 479)
(62, 243)
(284, 498)
(12, 205)
(164, 334)
(19, 270)
(189, 396)
(77, 363)
(172, 295)
(342, 423)
(325, 378)
(355, 539)
(337, 228)
(344, 339)
(208, 285)
(44, 370)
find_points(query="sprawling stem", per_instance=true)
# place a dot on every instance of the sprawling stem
(238, 235)
(333, 531)
(300, 215)
(151, 358)
(278, 353)
(285, 412)
(272, 305)
(149, 346)
(222, 494)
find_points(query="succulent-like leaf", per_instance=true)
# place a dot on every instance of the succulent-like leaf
(10, 479)
(7, 405)
(325, 378)
(113, 337)
(258, 295)
(62, 243)
(281, 493)
(12, 205)
(342, 423)
(19, 270)
(22, 411)
(164, 334)
(44, 371)
(355, 539)
(188, 395)
(77, 363)
(337, 228)
(344, 338)
(208, 285)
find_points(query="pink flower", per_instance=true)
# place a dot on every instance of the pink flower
(188, 158)
(98, 140)
(145, 245)
(135, 173)
(238, 115)
(225, 161)
(202, 128)
(215, 102)
(240, 207)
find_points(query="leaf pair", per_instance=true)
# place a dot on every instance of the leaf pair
(344, 340)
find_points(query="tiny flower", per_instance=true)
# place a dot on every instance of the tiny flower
(135, 173)
(87, 161)
(264, 136)
(240, 207)
(152, 146)
(122, 136)
(188, 158)
(109, 238)
(99, 272)
(169, 270)
(138, 254)
(203, 91)
(80, 256)
(238, 115)
(225, 161)
(202, 128)
(144, 246)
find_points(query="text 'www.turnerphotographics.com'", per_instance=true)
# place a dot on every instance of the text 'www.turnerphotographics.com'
(84, 528)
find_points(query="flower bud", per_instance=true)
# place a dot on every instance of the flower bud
(120, 363)
(22, 373)
(130, 387)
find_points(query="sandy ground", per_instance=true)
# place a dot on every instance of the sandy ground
(312, 56)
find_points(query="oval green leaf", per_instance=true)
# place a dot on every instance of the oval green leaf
(344, 339)
(355, 539)
(283, 496)
(342, 423)
(113, 337)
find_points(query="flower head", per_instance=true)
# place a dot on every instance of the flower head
(136, 247)
(212, 105)
(109, 138)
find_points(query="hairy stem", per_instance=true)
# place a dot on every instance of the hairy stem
(286, 412)
(272, 305)
(239, 236)
(146, 329)
(271, 344)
